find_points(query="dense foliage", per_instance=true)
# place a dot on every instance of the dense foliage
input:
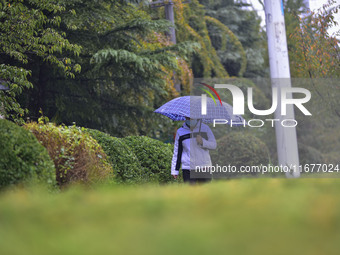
(125, 164)
(22, 158)
(154, 156)
(315, 60)
(309, 155)
(78, 158)
(108, 65)
(314, 52)
(30, 37)
(236, 34)
(233, 43)
(127, 67)
(240, 149)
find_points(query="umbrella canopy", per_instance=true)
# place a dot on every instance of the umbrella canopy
(190, 106)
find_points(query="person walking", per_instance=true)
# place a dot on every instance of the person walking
(191, 150)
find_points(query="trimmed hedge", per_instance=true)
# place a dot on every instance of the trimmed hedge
(240, 149)
(22, 157)
(125, 164)
(154, 156)
(78, 158)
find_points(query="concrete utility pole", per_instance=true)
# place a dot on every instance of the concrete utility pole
(287, 148)
(169, 15)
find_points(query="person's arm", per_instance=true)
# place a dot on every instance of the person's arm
(209, 144)
(174, 171)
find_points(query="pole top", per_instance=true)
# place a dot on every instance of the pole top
(161, 3)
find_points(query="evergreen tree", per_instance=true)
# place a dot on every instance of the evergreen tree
(243, 50)
(127, 68)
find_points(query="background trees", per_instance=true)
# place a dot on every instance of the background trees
(29, 35)
(233, 43)
(108, 64)
(245, 51)
(314, 53)
(125, 63)
(127, 67)
(314, 59)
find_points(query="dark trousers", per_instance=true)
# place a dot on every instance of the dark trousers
(187, 179)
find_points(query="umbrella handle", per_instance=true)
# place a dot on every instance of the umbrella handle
(199, 131)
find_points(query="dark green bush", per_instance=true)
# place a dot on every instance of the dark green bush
(240, 149)
(125, 164)
(309, 155)
(154, 156)
(331, 158)
(22, 157)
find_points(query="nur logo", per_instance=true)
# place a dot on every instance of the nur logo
(239, 99)
(204, 97)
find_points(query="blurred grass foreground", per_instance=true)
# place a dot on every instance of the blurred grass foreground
(263, 216)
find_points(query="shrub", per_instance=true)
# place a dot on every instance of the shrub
(124, 162)
(154, 156)
(331, 158)
(240, 149)
(309, 155)
(22, 157)
(78, 158)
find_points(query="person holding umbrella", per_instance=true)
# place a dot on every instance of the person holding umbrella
(194, 139)
(191, 150)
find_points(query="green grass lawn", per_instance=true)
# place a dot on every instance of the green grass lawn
(244, 216)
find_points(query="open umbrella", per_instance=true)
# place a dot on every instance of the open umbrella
(191, 106)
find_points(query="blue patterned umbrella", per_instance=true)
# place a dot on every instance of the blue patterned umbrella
(191, 106)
